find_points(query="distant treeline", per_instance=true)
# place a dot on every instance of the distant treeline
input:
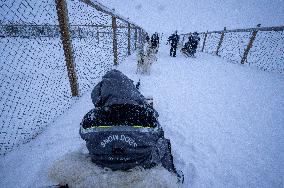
(32, 31)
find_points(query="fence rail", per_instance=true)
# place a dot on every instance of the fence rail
(262, 47)
(277, 28)
(29, 30)
(50, 51)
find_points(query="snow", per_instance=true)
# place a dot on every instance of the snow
(225, 122)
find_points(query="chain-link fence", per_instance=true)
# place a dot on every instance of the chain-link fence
(35, 69)
(261, 47)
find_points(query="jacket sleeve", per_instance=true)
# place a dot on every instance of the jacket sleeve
(96, 94)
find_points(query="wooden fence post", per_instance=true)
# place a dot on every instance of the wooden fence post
(135, 38)
(141, 38)
(79, 33)
(249, 46)
(114, 27)
(221, 40)
(98, 35)
(129, 41)
(67, 45)
(204, 41)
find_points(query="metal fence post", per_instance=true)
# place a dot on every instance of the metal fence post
(62, 14)
(249, 46)
(204, 41)
(129, 41)
(221, 40)
(114, 27)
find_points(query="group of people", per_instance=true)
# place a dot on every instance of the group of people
(154, 41)
(189, 47)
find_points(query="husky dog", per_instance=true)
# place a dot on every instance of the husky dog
(145, 60)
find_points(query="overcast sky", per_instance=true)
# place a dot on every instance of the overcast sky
(200, 15)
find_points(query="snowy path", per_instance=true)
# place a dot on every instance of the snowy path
(225, 123)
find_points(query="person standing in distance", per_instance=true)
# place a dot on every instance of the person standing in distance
(173, 40)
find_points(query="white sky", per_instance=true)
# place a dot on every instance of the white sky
(201, 15)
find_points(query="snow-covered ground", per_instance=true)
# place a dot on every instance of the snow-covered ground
(225, 123)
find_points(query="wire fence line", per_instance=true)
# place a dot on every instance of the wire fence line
(261, 47)
(30, 31)
(51, 51)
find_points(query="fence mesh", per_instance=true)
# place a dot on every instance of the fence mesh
(211, 44)
(34, 84)
(35, 87)
(91, 42)
(122, 40)
(233, 46)
(202, 37)
(268, 51)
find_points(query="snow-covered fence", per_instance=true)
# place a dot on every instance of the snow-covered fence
(35, 87)
(262, 47)
(103, 39)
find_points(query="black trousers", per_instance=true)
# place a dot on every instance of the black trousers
(173, 51)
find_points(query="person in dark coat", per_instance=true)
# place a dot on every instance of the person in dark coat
(195, 40)
(147, 38)
(117, 101)
(103, 94)
(154, 40)
(173, 40)
(191, 45)
(123, 131)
